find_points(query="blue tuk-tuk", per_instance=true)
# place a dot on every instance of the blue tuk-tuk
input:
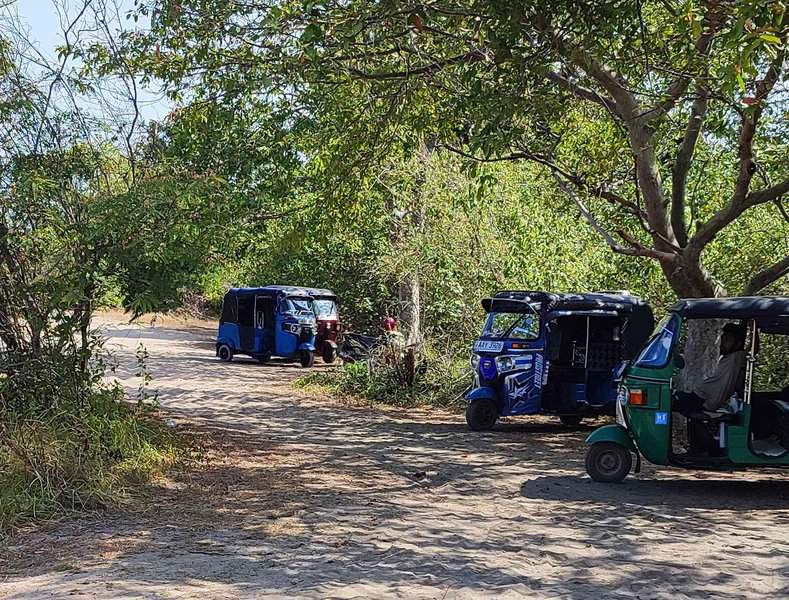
(267, 321)
(545, 353)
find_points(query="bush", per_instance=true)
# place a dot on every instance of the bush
(436, 376)
(68, 442)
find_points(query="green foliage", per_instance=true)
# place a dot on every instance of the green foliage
(441, 384)
(78, 230)
(358, 84)
(79, 459)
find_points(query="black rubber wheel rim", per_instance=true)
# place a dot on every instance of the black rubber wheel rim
(307, 359)
(608, 462)
(225, 353)
(482, 415)
(571, 420)
(328, 354)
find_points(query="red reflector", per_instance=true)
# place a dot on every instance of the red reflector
(637, 397)
(517, 346)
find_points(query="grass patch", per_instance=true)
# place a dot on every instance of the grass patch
(84, 459)
(439, 380)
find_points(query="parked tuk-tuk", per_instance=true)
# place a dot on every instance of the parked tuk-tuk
(752, 430)
(267, 321)
(329, 325)
(545, 353)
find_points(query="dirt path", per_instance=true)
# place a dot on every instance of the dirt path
(306, 498)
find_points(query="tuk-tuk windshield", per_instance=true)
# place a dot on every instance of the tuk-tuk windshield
(657, 351)
(325, 308)
(517, 326)
(297, 306)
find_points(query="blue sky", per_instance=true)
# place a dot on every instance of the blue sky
(43, 21)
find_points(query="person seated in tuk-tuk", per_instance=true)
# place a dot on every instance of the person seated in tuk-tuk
(714, 391)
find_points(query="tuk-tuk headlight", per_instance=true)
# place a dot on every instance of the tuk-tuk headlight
(474, 362)
(504, 363)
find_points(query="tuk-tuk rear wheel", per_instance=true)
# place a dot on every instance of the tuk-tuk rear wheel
(307, 358)
(482, 415)
(571, 420)
(608, 462)
(328, 355)
(225, 353)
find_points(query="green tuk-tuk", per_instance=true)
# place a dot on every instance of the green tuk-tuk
(751, 431)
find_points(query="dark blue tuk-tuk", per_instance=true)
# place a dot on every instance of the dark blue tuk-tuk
(544, 353)
(267, 321)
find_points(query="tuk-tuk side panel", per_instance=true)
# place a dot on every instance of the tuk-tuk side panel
(522, 389)
(738, 444)
(265, 323)
(228, 334)
(285, 342)
(651, 424)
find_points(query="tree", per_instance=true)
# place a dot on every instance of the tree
(659, 82)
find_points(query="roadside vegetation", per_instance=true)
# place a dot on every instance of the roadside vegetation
(410, 157)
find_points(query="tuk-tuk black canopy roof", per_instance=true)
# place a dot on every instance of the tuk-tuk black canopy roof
(622, 303)
(285, 290)
(637, 312)
(742, 307)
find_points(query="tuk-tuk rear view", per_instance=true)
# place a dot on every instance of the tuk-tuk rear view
(545, 353)
(735, 417)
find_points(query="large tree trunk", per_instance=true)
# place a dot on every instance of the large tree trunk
(701, 352)
(410, 308)
(408, 223)
(701, 344)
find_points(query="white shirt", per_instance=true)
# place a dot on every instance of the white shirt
(718, 387)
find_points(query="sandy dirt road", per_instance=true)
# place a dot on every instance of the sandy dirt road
(303, 497)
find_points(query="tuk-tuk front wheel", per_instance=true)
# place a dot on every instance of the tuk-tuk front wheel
(307, 358)
(482, 415)
(608, 462)
(225, 353)
(329, 354)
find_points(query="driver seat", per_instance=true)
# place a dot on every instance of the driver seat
(712, 420)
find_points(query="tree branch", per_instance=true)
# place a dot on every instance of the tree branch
(578, 181)
(741, 200)
(769, 193)
(468, 57)
(634, 249)
(713, 18)
(682, 163)
(767, 276)
(582, 92)
(59, 74)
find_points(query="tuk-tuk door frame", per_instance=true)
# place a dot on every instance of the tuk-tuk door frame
(751, 361)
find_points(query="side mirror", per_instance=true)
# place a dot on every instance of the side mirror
(679, 361)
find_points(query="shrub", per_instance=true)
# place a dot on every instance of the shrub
(69, 442)
(436, 376)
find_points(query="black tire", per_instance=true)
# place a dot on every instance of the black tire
(225, 353)
(481, 415)
(571, 420)
(307, 358)
(263, 358)
(607, 462)
(329, 354)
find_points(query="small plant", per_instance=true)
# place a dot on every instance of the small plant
(421, 377)
(143, 394)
